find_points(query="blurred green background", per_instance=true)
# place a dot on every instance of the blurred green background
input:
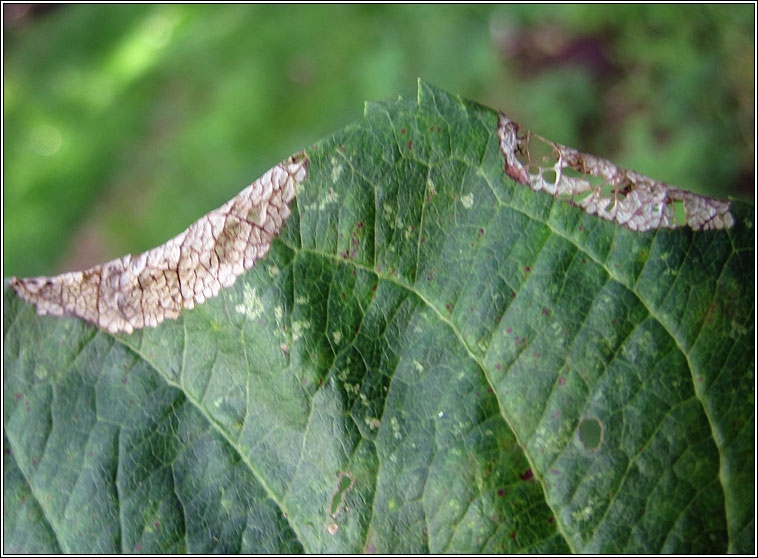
(125, 123)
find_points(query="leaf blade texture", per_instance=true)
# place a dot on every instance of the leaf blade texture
(430, 329)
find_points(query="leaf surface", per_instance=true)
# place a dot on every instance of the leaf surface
(417, 365)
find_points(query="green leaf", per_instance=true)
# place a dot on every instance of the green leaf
(432, 357)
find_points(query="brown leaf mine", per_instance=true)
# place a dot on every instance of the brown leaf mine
(599, 187)
(137, 291)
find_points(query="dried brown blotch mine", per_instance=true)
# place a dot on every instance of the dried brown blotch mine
(510, 144)
(629, 198)
(137, 291)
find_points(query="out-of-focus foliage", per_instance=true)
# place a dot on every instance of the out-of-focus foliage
(124, 123)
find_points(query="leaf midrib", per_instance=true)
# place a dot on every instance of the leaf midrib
(652, 312)
(631, 288)
(655, 315)
(447, 321)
